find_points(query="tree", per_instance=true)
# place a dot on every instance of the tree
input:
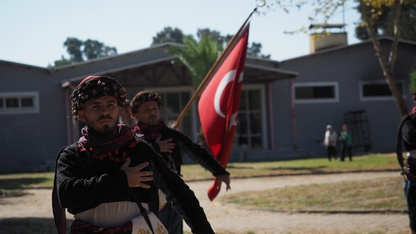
(412, 86)
(73, 47)
(198, 56)
(371, 11)
(168, 34)
(80, 51)
(94, 49)
(253, 50)
(385, 25)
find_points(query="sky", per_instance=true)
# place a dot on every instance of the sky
(33, 32)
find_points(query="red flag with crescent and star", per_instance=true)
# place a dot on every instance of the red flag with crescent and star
(220, 102)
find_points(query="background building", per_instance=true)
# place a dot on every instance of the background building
(285, 106)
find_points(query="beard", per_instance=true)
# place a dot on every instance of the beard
(104, 128)
(152, 120)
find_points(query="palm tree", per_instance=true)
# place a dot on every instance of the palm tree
(198, 57)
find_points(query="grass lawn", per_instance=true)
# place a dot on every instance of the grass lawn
(378, 194)
(375, 195)
(364, 163)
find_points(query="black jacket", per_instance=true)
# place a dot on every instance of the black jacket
(84, 182)
(408, 132)
(185, 146)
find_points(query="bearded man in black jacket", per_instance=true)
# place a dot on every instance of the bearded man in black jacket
(110, 178)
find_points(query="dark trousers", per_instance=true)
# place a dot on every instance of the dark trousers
(410, 195)
(331, 152)
(345, 150)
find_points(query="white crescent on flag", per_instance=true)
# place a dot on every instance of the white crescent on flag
(228, 78)
(219, 104)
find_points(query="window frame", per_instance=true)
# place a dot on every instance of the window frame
(262, 111)
(380, 98)
(20, 110)
(316, 100)
(191, 112)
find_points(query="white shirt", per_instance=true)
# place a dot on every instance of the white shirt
(111, 214)
(330, 138)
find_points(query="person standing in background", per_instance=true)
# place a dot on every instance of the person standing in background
(346, 142)
(330, 142)
(126, 117)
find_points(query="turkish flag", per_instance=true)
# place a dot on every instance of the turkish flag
(220, 102)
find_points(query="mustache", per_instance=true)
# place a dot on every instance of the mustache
(104, 117)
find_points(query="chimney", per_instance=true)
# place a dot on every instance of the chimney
(326, 39)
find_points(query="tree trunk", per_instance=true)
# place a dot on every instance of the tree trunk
(387, 66)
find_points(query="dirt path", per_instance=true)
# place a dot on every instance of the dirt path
(229, 219)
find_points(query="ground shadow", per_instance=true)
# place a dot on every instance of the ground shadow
(29, 225)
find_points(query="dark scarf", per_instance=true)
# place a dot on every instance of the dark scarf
(150, 132)
(107, 147)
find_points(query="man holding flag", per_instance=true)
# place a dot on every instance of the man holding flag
(172, 145)
(218, 110)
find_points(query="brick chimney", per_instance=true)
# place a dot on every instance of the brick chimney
(326, 39)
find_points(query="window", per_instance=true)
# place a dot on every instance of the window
(19, 103)
(172, 105)
(250, 119)
(315, 92)
(376, 90)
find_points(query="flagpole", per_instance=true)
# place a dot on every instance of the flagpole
(212, 70)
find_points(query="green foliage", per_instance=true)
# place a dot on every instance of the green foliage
(255, 51)
(168, 34)
(382, 15)
(198, 57)
(204, 50)
(412, 85)
(80, 51)
(94, 49)
(73, 47)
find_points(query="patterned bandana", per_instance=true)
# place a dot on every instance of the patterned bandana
(150, 132)
(142, 97)
(94, 87)
(108, 149)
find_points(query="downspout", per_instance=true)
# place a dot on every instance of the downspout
(292, 111)
(271, 122)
